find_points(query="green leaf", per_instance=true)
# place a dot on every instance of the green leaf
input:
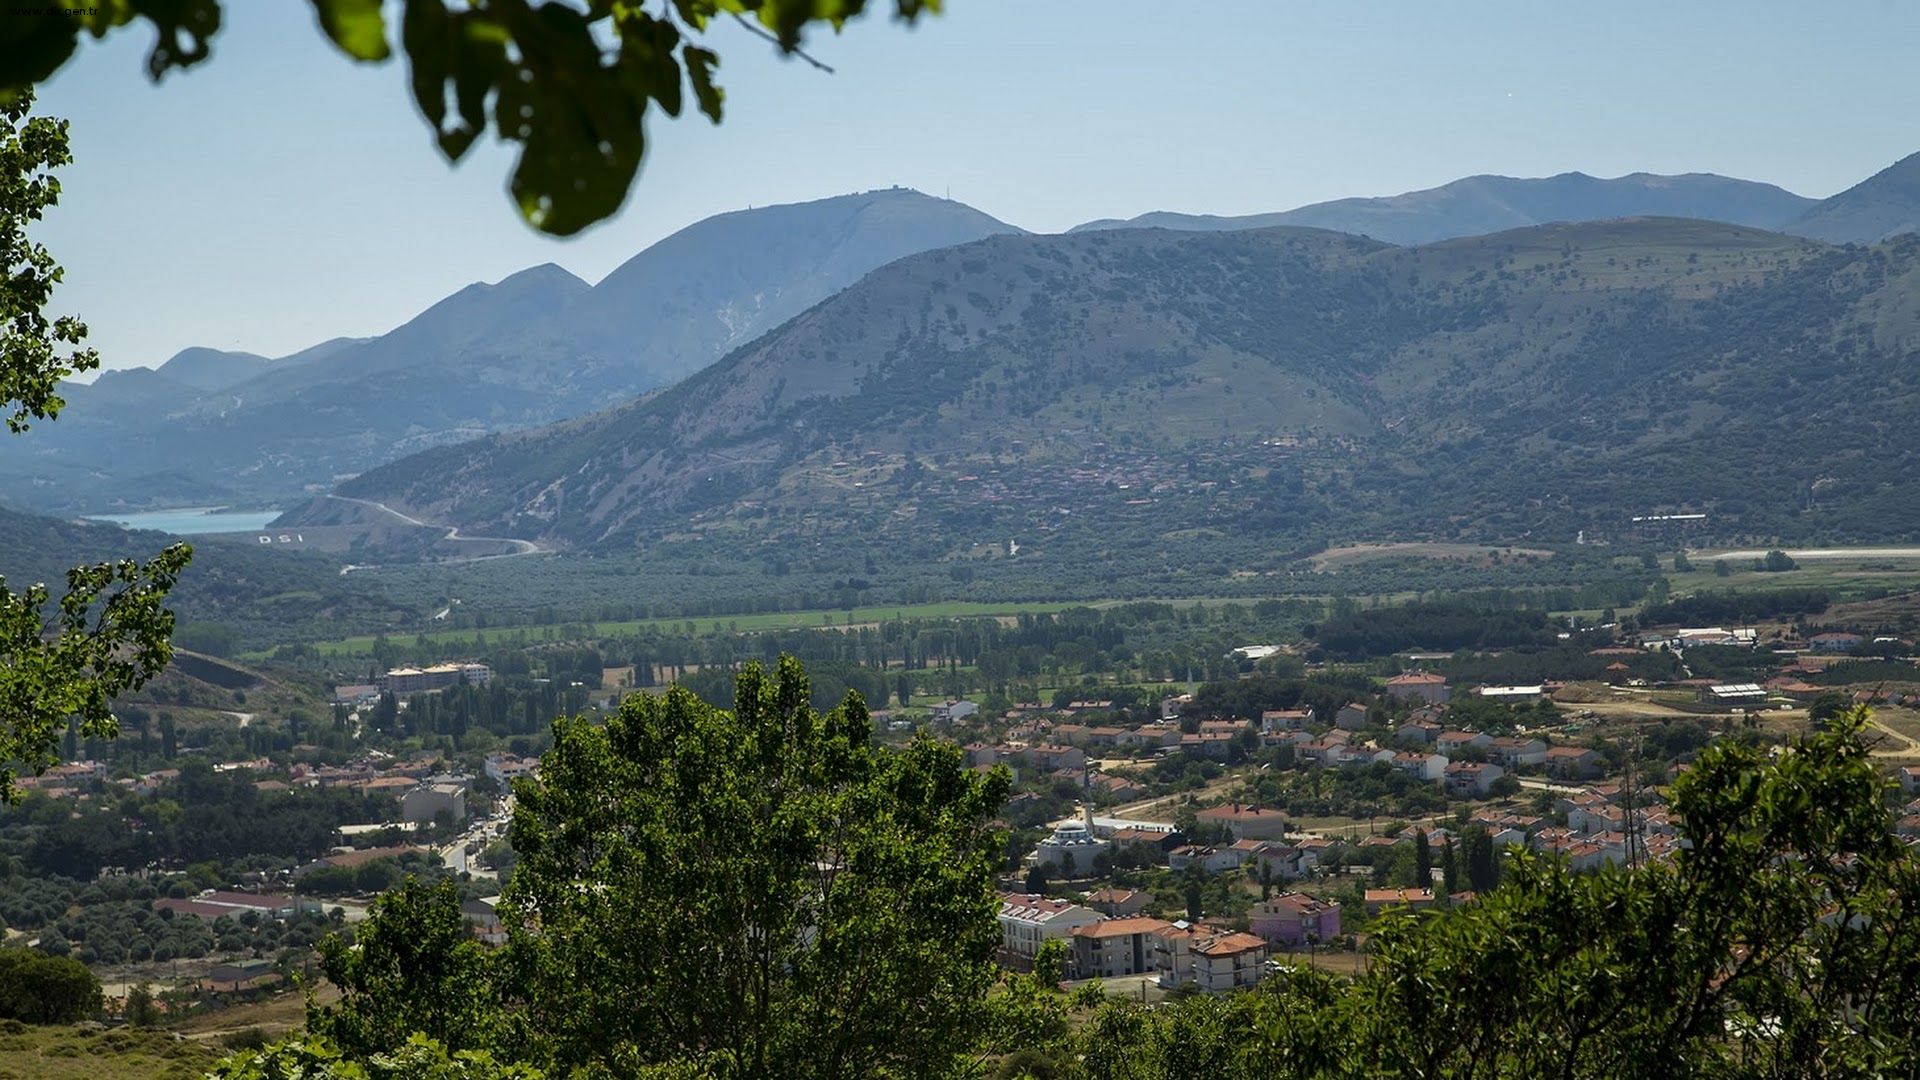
(357, 26)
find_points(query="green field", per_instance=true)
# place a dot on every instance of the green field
(1845, 575)
(362, 644)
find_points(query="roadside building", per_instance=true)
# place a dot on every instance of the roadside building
(428, 801)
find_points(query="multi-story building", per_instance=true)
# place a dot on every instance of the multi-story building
(1027, 921)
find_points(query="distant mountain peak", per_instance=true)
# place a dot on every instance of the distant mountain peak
(1477, 205)
(1883, 205)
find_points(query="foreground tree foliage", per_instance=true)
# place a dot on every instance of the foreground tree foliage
(571, 83)
(762, 893)
(754, 892)
(110, 632)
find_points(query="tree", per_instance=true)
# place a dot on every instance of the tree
(412, 968)
(140, 1010)
(1721, 569)
(1483, 863)
(38, 988)
(762, 891)
(1449, 868)
(109, 632)
(1422, 860)
(1776, 562)
(572, 86)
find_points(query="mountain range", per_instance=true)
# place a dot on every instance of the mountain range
(1071, 390)
(542, 346)
(535, 347)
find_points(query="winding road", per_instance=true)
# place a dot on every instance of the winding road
(521, 547)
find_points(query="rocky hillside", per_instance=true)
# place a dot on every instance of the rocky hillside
(1532, 383)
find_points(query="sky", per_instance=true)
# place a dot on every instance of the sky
(278, 194)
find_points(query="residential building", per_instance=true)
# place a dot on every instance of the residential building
(1229, 962)
(428, 801)
(1573, 762)
(1210, 860)
(1274, 721)
(951, 712)
(1294, 918)
(1419, 685)
(1028, 920)
(1513, 751)
(1351, 717)
(1421, 732)
(1466, 778)
(1112, 948)
(1246, 822)
(1835, 642)
(1429, 767)
(1451, 743)
(1119, 903)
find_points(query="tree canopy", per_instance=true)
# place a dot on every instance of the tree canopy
(570, 83)
(759, 891)
(110, 632)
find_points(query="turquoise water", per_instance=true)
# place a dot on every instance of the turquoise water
(192, 520)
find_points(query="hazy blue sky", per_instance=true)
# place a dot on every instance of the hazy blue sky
(279, 194)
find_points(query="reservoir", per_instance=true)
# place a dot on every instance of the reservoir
(192, 520)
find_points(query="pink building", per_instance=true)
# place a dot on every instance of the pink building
(1293, 918)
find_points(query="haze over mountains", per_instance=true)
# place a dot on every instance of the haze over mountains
(542, 346)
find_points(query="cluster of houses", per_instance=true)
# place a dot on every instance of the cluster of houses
(1109, 938)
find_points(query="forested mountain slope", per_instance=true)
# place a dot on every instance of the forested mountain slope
(1530, 384)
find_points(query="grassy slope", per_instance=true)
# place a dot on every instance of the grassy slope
(71, 1053)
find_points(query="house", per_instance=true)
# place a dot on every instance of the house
(1117, 788)
(1246, 822)
(1351, 717)
(1418, 732)
(483, 918)
(1153, 844)
(1112, 948)
(1573, 762)
(1429, 767)
(1028, 920)
(1284, 862)
(951, 712)
(1466, 778)
(428, 801)
(1274, 721)
(504, 769)
(235, 974)
(1210, 860)
(1229, 962)
(1294, 918)
(1909, 778)
(1419, 685)
(1451, 743)
(1047, 759)
(1210, 744)
(1835, 642)
(1513, 751)
(1417, 899)
(1119, 903)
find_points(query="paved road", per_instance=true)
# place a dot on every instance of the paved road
(521, 547)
